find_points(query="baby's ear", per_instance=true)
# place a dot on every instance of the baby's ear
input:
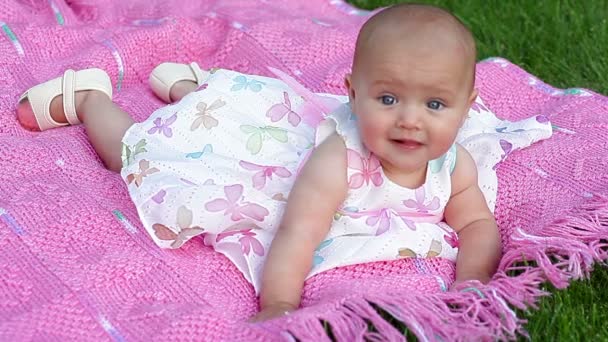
(473, 96)
(349, 87)
(470, 101)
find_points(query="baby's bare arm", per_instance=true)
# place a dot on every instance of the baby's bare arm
(468, 214)
(317, 193)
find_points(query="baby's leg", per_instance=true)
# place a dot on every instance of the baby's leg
(181, 89)
(172, 81)
(104, 121)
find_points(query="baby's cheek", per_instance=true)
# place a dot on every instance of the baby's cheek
(370, 131)
(371, 121)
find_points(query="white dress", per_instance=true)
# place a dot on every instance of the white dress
(222, 161)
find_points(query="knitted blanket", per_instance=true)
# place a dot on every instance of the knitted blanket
(75, 263)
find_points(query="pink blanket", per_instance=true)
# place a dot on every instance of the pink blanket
(75, 264)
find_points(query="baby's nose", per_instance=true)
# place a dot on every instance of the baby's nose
(409, 117)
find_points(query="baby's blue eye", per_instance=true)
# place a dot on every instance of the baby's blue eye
(388, 100)
(434, 105)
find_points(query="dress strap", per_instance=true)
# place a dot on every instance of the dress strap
(453, 151)
(448, 160)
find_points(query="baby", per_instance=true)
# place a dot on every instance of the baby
(411, 86)
(384, 179)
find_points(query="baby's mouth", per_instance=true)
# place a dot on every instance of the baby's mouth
(407, 144)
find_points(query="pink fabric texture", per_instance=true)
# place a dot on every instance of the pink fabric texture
(75, 264)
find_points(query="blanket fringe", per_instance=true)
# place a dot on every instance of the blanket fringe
(447, 316)
(564, 250)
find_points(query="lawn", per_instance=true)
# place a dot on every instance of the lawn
(565, 44)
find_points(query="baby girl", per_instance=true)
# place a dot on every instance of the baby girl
(286, 188)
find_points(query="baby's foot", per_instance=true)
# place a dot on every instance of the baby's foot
(181, 89)
(27, 118)
(172, 81)
(42, 106)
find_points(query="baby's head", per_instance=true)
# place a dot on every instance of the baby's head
(412, 83)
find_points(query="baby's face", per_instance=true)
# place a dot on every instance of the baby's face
(410, 103)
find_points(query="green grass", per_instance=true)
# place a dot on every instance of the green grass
(565, 43)
(562, 42)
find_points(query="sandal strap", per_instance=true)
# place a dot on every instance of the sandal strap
(199, 75)
(69, 97)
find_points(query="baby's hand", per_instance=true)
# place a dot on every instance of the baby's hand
(272, 311)
(457, 285)
(464, 283)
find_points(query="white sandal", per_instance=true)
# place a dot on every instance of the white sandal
(165, 75)
(41, 95)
